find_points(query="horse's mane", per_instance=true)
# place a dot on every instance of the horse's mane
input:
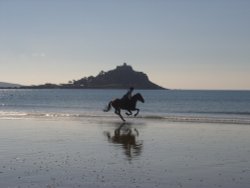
(137, 94)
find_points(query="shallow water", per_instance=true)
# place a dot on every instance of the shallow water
(78, 153)
(171, 105)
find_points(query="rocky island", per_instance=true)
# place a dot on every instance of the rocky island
(119, 78)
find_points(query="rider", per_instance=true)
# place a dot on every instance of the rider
(128, 95)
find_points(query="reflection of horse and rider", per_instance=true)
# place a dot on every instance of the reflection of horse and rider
(127, 102)
(126, 137)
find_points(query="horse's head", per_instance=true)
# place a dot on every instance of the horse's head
(139, 97)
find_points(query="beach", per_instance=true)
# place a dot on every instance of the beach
(103, 152)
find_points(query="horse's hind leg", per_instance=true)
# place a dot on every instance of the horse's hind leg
(122, 117)
(128, 113)
(118, 112)
(138, 110)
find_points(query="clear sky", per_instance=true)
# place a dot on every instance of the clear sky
(179, 44)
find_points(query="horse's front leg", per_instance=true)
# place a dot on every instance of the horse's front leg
(118, 112)
(138, 110)
(128, 114)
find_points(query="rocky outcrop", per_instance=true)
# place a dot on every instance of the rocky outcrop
(122, 77)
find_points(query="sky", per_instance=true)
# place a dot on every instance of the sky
(179, 44)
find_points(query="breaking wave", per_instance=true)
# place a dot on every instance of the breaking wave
(148, 117)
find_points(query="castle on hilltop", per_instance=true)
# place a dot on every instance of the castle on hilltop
(122, 77)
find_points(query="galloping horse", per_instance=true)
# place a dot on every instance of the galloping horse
(130, 105)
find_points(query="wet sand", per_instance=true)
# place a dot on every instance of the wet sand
(142, 153)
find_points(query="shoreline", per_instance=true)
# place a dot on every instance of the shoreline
(164, 89)
(79, 153)
(244, 120)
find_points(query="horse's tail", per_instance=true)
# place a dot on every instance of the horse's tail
(108, 107)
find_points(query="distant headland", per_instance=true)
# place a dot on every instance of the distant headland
(119, 78)
(9, 85)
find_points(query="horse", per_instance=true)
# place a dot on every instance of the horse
(129, 105)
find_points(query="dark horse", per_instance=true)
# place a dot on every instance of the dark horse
(130, 105)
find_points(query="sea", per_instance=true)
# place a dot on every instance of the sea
(204, 106)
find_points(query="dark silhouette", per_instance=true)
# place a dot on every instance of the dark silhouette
(120, 104)
(127, 138)
(128, 96)
(119, 78)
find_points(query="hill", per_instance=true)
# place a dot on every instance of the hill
(8, 85)
(122, 77)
